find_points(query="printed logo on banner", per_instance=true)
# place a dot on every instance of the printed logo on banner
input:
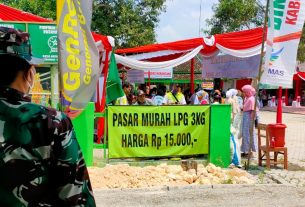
(52, 43)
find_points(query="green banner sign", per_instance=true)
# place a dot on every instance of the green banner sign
(157, 131)
(20, 26)
(44, 41)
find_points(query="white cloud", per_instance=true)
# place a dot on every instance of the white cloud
(168, 34)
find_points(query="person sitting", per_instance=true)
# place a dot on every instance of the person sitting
(142, 100)
(175, 96)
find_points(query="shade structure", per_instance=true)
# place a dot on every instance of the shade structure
(240, 44)
(11, 14)
(299, 75)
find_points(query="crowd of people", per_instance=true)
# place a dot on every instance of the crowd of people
(243, 109)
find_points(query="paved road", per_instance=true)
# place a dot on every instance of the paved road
(295, 135)
(219, 195)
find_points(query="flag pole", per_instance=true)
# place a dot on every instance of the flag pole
(59, 7)
(256, 84)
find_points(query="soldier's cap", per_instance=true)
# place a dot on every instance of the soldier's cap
(17, 42)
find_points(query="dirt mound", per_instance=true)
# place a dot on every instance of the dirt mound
(125, 176)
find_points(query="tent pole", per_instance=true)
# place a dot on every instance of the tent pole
(297, 87)
(279, 106)
(286, 97)
(192, 75)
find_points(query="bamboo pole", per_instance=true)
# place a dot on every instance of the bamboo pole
(256, 85)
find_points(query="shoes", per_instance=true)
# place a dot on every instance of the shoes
(244, 155)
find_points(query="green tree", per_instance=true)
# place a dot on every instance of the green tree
(234, 15)
(301, 49)
(43, 8)
(130, 22)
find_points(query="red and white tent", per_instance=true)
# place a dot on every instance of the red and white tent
(240, 44)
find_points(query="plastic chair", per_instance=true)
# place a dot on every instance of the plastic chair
(265, 150)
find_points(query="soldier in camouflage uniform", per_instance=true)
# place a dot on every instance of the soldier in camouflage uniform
(40, 159)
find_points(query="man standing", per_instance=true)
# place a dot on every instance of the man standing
(175, 96)
(123, 100)
(40, 159)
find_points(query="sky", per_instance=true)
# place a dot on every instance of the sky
(181, 19)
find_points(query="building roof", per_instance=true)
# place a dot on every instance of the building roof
(11, 14)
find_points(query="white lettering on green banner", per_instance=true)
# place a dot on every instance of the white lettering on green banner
(157, 131)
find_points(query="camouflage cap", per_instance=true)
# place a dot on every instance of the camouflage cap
(17, 42)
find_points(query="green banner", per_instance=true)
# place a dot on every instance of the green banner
(157, 131)
(20, 26)
(44, 41)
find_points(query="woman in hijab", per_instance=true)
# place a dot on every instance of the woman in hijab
(248, 116)
(229, 100)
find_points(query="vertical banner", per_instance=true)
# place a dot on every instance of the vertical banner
(288, 19)
(78, 55)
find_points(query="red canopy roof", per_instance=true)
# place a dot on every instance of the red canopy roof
(241, 40)
(11, 14)
(299, 75)
(103, 39)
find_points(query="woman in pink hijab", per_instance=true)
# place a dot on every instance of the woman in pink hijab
(248, 117)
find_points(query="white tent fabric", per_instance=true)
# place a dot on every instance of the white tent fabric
(142, 65)
(240, 53)
(149, 55)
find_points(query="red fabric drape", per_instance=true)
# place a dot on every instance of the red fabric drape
(234, 40)
(242, 82)
(11, 14)
(178, 45)
(240, 40)
(100, 105)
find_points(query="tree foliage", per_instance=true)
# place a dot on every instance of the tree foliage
(43, 8)
(130, 22)
(301, 49)
(234, 15)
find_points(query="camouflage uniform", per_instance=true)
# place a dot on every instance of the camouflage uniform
(40, 160)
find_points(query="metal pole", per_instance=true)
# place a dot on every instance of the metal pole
(279, 107)
(256, 85)
(192, 75)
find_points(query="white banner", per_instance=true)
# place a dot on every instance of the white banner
(159, 73)
(288, 18)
